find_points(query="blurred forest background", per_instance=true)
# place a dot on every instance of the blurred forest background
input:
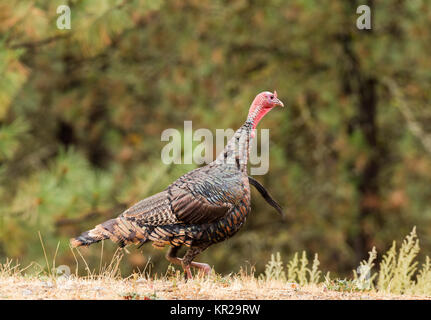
(82, 112)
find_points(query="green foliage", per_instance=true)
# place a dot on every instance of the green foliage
(14, 74)
(398, 269)
(397, 273)
(297, 270)
(423, 283)
(137, 296)
(10, 136)
(274, 269)
(341, 285)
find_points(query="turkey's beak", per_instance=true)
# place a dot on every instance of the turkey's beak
(279, 103)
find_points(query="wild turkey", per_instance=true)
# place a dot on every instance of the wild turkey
(203, 207)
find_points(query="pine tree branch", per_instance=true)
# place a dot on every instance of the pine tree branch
(39, 43)
(407, 113)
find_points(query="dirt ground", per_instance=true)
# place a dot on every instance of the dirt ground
(21, 287)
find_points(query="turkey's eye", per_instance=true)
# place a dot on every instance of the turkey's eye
(272, 97)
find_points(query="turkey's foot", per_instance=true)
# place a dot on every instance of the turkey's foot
(186, 262)
(187, 273)
(203, 268)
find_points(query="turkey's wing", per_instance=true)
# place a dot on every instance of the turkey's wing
(175, 205)
(194, 208)
(154, 210)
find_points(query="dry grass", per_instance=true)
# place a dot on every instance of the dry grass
(15, 284)
(20, 287)
(398, 277)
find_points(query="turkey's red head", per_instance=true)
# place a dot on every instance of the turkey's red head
(261, 105)
(268, 99)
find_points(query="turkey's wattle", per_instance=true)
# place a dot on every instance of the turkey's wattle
(205, 206)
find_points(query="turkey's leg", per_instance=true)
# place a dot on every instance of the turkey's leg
(171, 256)
(186, 262)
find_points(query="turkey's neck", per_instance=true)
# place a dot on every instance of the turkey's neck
(256, 114)
(237, 149)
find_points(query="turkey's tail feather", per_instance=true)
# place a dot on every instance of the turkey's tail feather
(265, 194)
(119, 230)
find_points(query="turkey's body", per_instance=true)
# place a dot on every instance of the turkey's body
(232, 209)
(205, 206)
